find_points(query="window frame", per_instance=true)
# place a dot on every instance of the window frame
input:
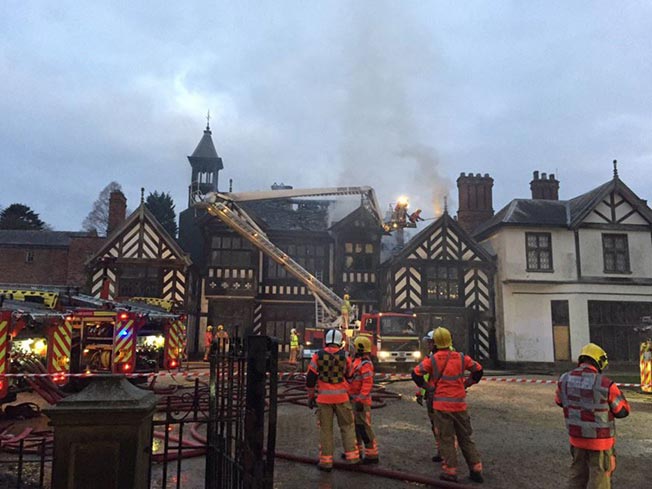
(615, 251)
(363, 260)
(29, 257)
(538, 250)
(427, 277)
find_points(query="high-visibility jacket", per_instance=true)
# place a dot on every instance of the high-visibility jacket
(362, 380)
(450, 383)
(346, 307)
(590, 401)
(330, 367)
(294, 340)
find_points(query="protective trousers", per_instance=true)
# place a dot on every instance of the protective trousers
(344, 414)
(294, 353)
(367, 444)
(591, 469)
(451, 425)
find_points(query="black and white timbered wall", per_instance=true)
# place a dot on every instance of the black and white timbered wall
(446, 278)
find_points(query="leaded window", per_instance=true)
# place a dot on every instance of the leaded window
(443, 283)
(615, 251)
(539, 252)
(358, 257)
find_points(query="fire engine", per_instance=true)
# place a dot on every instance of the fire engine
(390, 346)
(41, 333)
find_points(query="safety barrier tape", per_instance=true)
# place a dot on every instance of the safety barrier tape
(290, 375)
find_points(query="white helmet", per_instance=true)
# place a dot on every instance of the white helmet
(333, 337)
(429, 335)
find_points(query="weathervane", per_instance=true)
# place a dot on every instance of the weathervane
(142, 195)
(615, 168)
(208, 120)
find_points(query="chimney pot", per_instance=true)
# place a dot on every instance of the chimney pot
(486, 175)
(551, 176)
(543, 176)
(478, 175)
(535, 175)
(462, 174)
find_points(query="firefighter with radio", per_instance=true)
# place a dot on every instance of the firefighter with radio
(362, 382)
(591, 401)
(328, 372)
(447, 384)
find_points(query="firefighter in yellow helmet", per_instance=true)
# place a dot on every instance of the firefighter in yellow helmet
(584, 390)
(362, 382)
(447, 385)
(346, 311)
(222, 339)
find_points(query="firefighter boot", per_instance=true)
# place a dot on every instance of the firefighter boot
(448, 477)
(476, 476)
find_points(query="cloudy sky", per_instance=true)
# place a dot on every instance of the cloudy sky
(399, 95)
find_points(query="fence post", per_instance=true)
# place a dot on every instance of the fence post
(253, 459)
(103, 436)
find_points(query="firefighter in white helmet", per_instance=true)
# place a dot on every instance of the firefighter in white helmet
(447, 385)
(362, 382)
(591, 401)
(329, 370)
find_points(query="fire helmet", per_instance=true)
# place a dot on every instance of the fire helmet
(333, 337)
(596, 353)
(362, 344)
(443, 338)
(210, 328)
(429, 335)
(220, 327)
(293, 331)
(347, 297)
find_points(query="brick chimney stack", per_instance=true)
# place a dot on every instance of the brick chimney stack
(117, 210)
(475, 200)
(545, 187)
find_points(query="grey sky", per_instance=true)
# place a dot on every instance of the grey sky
(398, 95)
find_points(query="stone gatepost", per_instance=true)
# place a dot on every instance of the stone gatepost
(103, 436)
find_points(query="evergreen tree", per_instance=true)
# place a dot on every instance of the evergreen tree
(19, 216)
(162, 206)
(98, 218)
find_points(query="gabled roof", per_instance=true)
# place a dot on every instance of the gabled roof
(143, 219)
(560, 213)
(55, 239)
(360, 214)
(444, 221)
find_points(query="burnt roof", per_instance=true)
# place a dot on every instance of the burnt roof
(58, 239)
(289, 214)
(557, 213)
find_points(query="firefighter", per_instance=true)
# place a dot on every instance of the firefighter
(294, 346)
(222, 339)
(208, 341)
(416, 216)
(591, 401)
(346, 311)
(429, 344)
(328, 370)
(362, 381)
(447, 384)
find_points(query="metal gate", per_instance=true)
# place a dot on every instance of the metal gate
(223, 432)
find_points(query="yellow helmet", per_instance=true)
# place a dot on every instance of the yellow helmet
(362, 344)
(220, 327)
(596, 353)
(210, 328)
(347, 297)
(442, 338)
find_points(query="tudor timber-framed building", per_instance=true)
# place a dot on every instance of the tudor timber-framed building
(447, 279)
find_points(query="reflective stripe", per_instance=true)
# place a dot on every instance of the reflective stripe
(332, 392)
(448, 399)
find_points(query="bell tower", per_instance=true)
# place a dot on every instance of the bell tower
(206, 165)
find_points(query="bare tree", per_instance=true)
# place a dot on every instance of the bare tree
(98, 218)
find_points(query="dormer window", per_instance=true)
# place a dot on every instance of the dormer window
(615, 252)
(538, 247)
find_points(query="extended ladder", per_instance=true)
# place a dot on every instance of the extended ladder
(239, 221)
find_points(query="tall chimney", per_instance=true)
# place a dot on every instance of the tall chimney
(475, 200)
(545, 187)
(117, 210)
